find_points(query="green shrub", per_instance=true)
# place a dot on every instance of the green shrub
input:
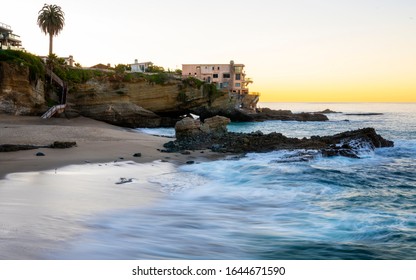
(128, 77)
(182, 97)
(193, 82)
(155, 69)
(159, 78)
(34, 63)
(211, 91)
(79, 75)
(121, 68)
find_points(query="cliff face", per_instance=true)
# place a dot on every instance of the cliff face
(143, 104)
(19, 96)
(168, 99)
(155, 98)
(134, 103)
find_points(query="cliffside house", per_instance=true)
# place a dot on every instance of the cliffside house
(140, 67)
(231, 77)
(8, 40)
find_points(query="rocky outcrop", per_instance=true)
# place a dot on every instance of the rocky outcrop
(327, 111)
(286, 115)
(161, 104)
(18, 95)
(265, 114)
(131, 101)
(349, 144)
(231, 112)
(159, 99)
(124, 114)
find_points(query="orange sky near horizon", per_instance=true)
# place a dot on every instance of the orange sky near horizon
(319, 96)
(338, 93)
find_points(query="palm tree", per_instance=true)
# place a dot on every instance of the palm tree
(51, 21)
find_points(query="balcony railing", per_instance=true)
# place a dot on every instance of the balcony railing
(14, 37)
(5, 26)
(10, 47)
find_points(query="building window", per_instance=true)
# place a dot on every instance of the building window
(237, 77)
(218, 68)
(237, 85)
(215, 76)
(238, 69)
(226, 75)
(225, 85)
(213, 67)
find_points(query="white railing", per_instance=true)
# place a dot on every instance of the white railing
(53, 110)
(61, 107)
(14, 37)
(10, 47)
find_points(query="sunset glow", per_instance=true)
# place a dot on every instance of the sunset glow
(308, 51)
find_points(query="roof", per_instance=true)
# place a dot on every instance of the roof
(5, 27)
(101, 66)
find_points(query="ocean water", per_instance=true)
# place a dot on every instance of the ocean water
(264, 206)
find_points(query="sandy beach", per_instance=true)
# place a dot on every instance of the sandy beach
(47, 200)
(97, 142)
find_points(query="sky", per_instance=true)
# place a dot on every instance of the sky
(294, 50)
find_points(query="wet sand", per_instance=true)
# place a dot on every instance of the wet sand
(47, 201)
(97, 142)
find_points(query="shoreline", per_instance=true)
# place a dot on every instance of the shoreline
(48, 200)
(97, 142)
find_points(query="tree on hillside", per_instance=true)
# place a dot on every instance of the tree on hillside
(51, 21)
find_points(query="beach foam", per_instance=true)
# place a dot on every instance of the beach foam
(38, 210)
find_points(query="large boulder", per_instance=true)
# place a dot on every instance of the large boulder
(187, 128)
(215, 126)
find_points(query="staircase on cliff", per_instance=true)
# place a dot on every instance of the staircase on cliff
(249, 101)
(64, 90)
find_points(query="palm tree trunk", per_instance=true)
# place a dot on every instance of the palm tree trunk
(50, 43)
